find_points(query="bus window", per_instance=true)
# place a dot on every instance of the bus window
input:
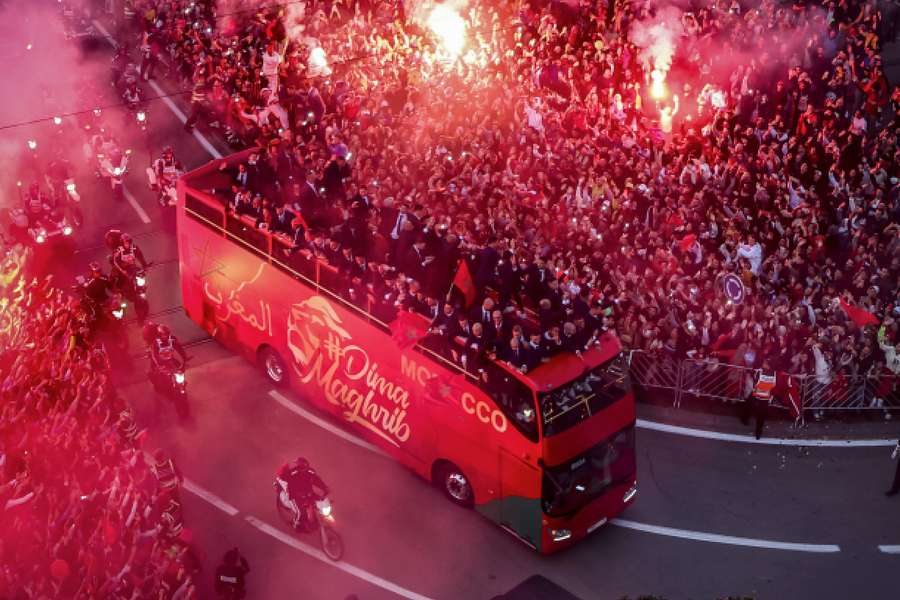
(203, 213)
(572, 403)
(253, 238)
(513, 397)
(568, 487)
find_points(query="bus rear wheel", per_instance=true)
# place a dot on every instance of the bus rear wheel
(455, 485)
(273, 367)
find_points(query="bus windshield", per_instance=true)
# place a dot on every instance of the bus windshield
(568, 487)
(576, 401)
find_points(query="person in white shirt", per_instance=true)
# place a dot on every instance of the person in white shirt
(752, 251)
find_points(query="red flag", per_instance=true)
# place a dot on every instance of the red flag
(787, 391)
(464, 283)
(447, 390)
(860, 316)
(687, 241)
(408, 328)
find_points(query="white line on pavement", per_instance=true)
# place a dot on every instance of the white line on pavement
(345, 567)
(134, 204)
(888, 549)
(168, 101)
(725, 539)
(181, 117)
(749, 439)
(298, 410)
(209, 497)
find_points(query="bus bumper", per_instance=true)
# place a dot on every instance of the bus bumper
(560, 533)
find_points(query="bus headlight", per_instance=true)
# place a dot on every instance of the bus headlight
(560, 535)
(631, 493)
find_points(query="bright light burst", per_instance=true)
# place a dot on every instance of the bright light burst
(449, 27)
(658, 84)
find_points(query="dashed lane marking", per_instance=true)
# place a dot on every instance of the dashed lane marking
(135, 205)
(205, 494)
(357, 572)
(749, 439)
(889, 549)
(302, 412)
(166, 100)
(725, 539)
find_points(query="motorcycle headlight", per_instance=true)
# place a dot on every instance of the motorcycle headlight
(67, 230)
(139, 281)
(560, 535)
(70, 187)
(117, 171)
(179, 377)
(118, 313)
(141, 116)
(40, 238)
(324, 507)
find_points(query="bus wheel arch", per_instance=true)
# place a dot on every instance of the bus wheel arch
(272, 365)
(453, 482)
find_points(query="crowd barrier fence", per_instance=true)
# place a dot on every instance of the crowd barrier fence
(714, 380)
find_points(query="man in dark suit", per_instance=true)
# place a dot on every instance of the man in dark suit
(483, 314)
(415, 262)
(515, 355)
(283, 221)
(535, 350)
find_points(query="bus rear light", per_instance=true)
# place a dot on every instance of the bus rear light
(560, 535)
(631, 493)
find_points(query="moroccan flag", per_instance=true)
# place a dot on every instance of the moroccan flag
(408, 328)
(444, 389)
(464, 282)
(787, 392)
(860, 316)
(687, 241)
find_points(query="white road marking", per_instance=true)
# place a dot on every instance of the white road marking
(888, 549)
(195, 489)
(315, 420)
(749, 439)
(134, 204)
(725, 539)
(165, 98)
(343, 566)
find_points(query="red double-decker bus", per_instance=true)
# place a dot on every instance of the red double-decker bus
(548, 455)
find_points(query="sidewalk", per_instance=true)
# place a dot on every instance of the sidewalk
(726, 420)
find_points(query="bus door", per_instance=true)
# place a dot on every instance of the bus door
(518, 450)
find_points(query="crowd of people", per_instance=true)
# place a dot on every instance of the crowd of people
(82, 513)
(580, 200)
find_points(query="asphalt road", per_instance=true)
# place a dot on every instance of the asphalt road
(403, 539)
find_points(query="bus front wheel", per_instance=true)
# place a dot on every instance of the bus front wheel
(455, 485)
(273, 367)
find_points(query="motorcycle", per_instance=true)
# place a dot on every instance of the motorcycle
(113, 167)
(63, 186)
(107, 317)
(165, 185)
(168, 378)
(322, 518)
(134, 288)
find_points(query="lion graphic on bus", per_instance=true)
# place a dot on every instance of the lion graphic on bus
(312, 323)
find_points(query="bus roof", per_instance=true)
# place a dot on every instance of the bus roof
(566, 366)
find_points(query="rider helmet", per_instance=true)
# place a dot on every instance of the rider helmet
(125, 238)
(163, 330)
(95, 268)
(301, 463)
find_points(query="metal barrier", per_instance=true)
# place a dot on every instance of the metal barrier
(732, 383)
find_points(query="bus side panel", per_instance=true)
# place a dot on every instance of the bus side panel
(346, 365)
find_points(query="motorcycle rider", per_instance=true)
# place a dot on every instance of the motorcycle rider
(35, 203)
(303, 486)
(163, 173)
(163, 349)
(230, 576)
(132, 95)
(126, 258)
(97, 286)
